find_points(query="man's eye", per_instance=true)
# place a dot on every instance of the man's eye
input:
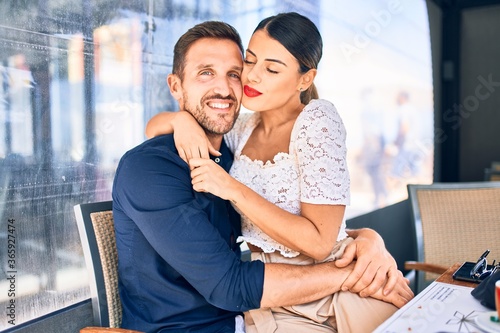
(235, 75)
(206, 73)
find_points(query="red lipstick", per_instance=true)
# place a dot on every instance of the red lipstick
(250, 92)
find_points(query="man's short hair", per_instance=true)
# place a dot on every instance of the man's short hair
(208, 29)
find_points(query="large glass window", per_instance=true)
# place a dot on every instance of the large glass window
(79, 80)
(377, 69)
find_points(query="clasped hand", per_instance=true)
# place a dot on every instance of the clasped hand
(375, 273)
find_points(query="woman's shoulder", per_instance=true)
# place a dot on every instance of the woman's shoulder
(320, 105)
(318, 110)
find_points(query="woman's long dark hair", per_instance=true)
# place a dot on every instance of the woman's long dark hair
(300, 36)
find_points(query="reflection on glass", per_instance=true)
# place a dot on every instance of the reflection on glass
(368, 65)
(79, 79)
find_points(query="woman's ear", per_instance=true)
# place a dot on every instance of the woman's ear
(308, 78)
(174, 83)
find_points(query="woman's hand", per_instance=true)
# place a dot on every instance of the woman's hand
(190, 139)
(208, 176)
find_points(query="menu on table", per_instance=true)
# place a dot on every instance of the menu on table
(441, 307)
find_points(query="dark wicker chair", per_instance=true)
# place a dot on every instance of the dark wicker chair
(97, 233)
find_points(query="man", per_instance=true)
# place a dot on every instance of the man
(179, 265)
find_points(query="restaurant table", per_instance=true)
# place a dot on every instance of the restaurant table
(445, 306)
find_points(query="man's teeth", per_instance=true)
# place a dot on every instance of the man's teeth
(219, 105)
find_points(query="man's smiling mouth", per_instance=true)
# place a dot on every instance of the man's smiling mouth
(219, 105)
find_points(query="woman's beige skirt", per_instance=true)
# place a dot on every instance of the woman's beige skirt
(342, 312)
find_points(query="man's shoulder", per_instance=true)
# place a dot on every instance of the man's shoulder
(161, 145)
(159, 142)
(152, 154)
(144, 167)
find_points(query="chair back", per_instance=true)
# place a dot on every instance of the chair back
(455, 222)
(97, 233)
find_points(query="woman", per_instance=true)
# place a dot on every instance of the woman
(291, 182)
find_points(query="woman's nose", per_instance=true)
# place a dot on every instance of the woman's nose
(253, 74)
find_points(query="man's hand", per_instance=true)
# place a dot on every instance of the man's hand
(401, 293)
(375, 268)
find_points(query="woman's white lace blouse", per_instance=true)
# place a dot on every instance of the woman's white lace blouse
(313, 171)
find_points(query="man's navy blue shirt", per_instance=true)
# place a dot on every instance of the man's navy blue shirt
(179, 266)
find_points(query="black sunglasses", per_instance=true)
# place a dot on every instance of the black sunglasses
(481, 270)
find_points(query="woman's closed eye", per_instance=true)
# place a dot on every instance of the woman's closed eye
(250, 63)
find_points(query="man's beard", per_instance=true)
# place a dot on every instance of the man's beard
(219, 126)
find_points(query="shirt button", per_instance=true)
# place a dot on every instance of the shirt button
(217, 160)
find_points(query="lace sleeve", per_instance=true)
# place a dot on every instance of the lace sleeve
(319, 141)
(233, 138)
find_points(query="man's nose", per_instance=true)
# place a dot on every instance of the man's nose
(223, 87)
